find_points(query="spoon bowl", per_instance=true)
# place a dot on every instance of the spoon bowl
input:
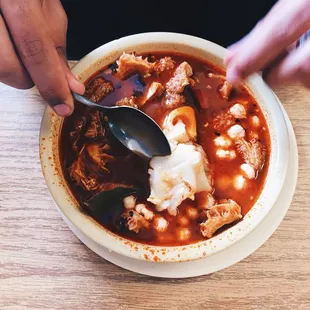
(134, 129)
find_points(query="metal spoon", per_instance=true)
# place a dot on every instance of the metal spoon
(134, 129)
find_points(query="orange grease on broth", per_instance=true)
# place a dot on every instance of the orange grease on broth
(207, 95)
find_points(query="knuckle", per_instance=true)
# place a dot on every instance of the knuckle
(19, 8)
(33, 51)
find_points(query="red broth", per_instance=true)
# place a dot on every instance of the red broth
(127, 168)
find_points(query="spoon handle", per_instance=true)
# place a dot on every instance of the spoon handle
(85, 101)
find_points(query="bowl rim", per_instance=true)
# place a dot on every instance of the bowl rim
(277, 168)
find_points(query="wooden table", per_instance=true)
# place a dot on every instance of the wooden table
(44, 266)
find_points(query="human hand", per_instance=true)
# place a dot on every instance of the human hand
(268, 47)
(33, 51)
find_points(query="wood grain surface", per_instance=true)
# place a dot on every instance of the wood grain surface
(44, 266)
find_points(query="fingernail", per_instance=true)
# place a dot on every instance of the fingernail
(63, 109)
(76, 86)
(80, 87)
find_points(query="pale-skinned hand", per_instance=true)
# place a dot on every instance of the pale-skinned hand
(268, 47)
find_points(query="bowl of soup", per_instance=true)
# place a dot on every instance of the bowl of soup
(229, 151)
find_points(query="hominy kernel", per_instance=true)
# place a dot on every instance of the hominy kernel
(226, 154)
(223, 182)
(222, 142)
(160, 224)
(239, 182)
(141, 208)
(182, 220)
(129, 202)
(255, 121)
(236, 132)
(183, 234)
(248, 171)
(192, 213)
(238, 111)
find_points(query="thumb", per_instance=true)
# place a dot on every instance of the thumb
(73, 83)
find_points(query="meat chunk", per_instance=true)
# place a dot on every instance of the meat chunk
(154, 90)
(219, 215)
(78, 173)
(92, 130)
(144, 211)
(176, 85)
(95, 128)
(129, 64)
(97, 152)
(90, 184)
(174, 100)
(128, 101)
(134, 221)
(75, 135)
(98, 88)
(180, 79)
(225, 89)
(164, 64)
(253, 153)
(223, 121)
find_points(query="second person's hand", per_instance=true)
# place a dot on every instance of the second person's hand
(33, 51)
(268, 47)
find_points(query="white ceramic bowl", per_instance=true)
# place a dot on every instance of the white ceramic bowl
(165, 42)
